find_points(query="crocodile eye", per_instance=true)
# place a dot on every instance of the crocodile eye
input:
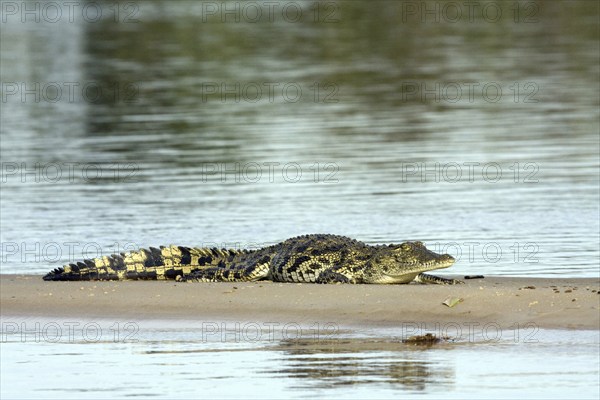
(419, 243)
(405, 246)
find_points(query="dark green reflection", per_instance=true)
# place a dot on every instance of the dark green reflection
(342, 362)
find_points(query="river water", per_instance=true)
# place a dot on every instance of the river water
(474, 128)
(94, 359)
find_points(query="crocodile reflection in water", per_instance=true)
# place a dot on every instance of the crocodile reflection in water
(358, 362)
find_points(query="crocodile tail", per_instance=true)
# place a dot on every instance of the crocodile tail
(153, 264)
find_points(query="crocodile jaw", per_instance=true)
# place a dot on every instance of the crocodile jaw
(390, 280)
(412, 270)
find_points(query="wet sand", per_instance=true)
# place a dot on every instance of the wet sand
(505, 301)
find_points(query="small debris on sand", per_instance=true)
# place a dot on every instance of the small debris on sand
(428, 338)
(452, 301)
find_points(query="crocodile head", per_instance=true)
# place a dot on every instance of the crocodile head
(402, 263)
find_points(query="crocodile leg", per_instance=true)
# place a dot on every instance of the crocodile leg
(426, 278)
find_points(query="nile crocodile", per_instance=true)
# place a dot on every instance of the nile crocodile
(309, 258)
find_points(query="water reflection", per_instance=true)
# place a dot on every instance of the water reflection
(182, 366)
(357, 362)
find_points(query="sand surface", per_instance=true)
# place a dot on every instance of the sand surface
(505, 301)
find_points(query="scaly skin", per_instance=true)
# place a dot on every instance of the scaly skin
(154, 264)
(310, 258)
